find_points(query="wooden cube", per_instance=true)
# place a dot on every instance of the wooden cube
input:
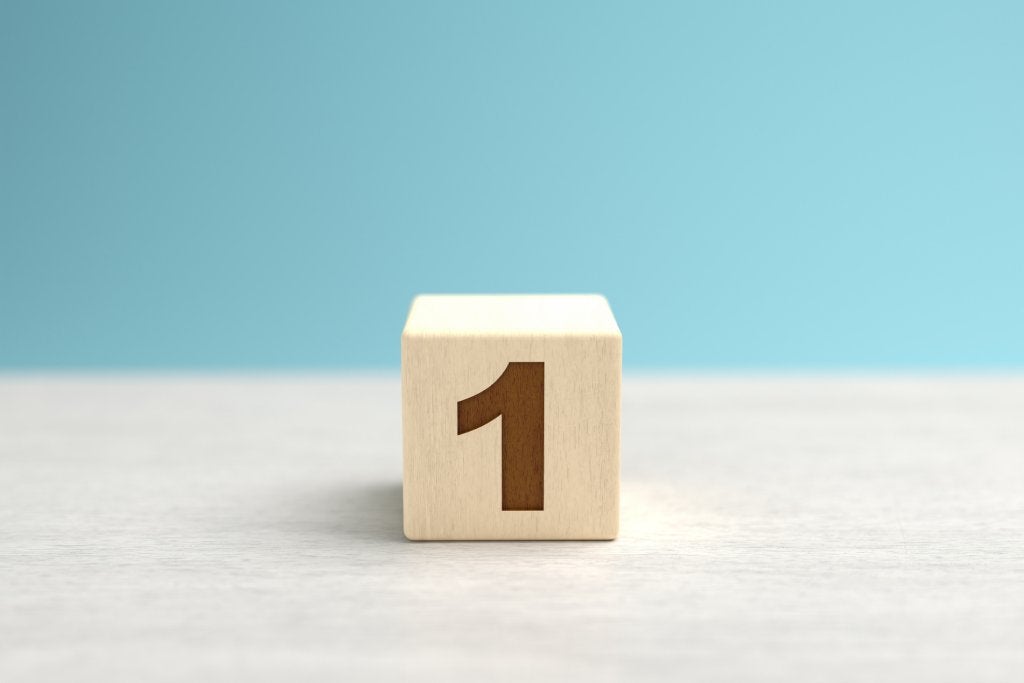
(510, 416)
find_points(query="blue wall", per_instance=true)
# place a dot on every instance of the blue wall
(752, 184)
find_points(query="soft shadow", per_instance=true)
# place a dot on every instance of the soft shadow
(364, 511)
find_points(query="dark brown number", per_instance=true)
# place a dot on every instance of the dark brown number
(518, 396)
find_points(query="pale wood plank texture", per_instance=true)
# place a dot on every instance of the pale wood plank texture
(228, 528)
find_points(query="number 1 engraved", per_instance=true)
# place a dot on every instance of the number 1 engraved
(518, 397)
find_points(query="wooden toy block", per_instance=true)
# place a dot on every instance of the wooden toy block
(510, 416)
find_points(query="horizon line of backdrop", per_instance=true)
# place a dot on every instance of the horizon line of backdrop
(752, 185)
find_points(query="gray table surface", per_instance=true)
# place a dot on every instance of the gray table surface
(249, 528)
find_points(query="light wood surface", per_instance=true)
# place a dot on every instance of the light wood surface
(453, 482)
(231, 528)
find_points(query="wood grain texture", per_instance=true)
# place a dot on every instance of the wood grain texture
(231, 528)
(453, 484)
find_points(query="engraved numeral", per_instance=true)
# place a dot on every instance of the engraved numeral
(518, 397)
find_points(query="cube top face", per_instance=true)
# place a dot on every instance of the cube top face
(510, 413)
(511, 314)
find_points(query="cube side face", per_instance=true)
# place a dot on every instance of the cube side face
(452, 483)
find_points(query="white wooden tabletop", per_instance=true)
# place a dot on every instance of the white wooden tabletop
(246, 528)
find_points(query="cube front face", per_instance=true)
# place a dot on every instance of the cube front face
(477, 485)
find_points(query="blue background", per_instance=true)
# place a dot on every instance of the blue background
(752, 184)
